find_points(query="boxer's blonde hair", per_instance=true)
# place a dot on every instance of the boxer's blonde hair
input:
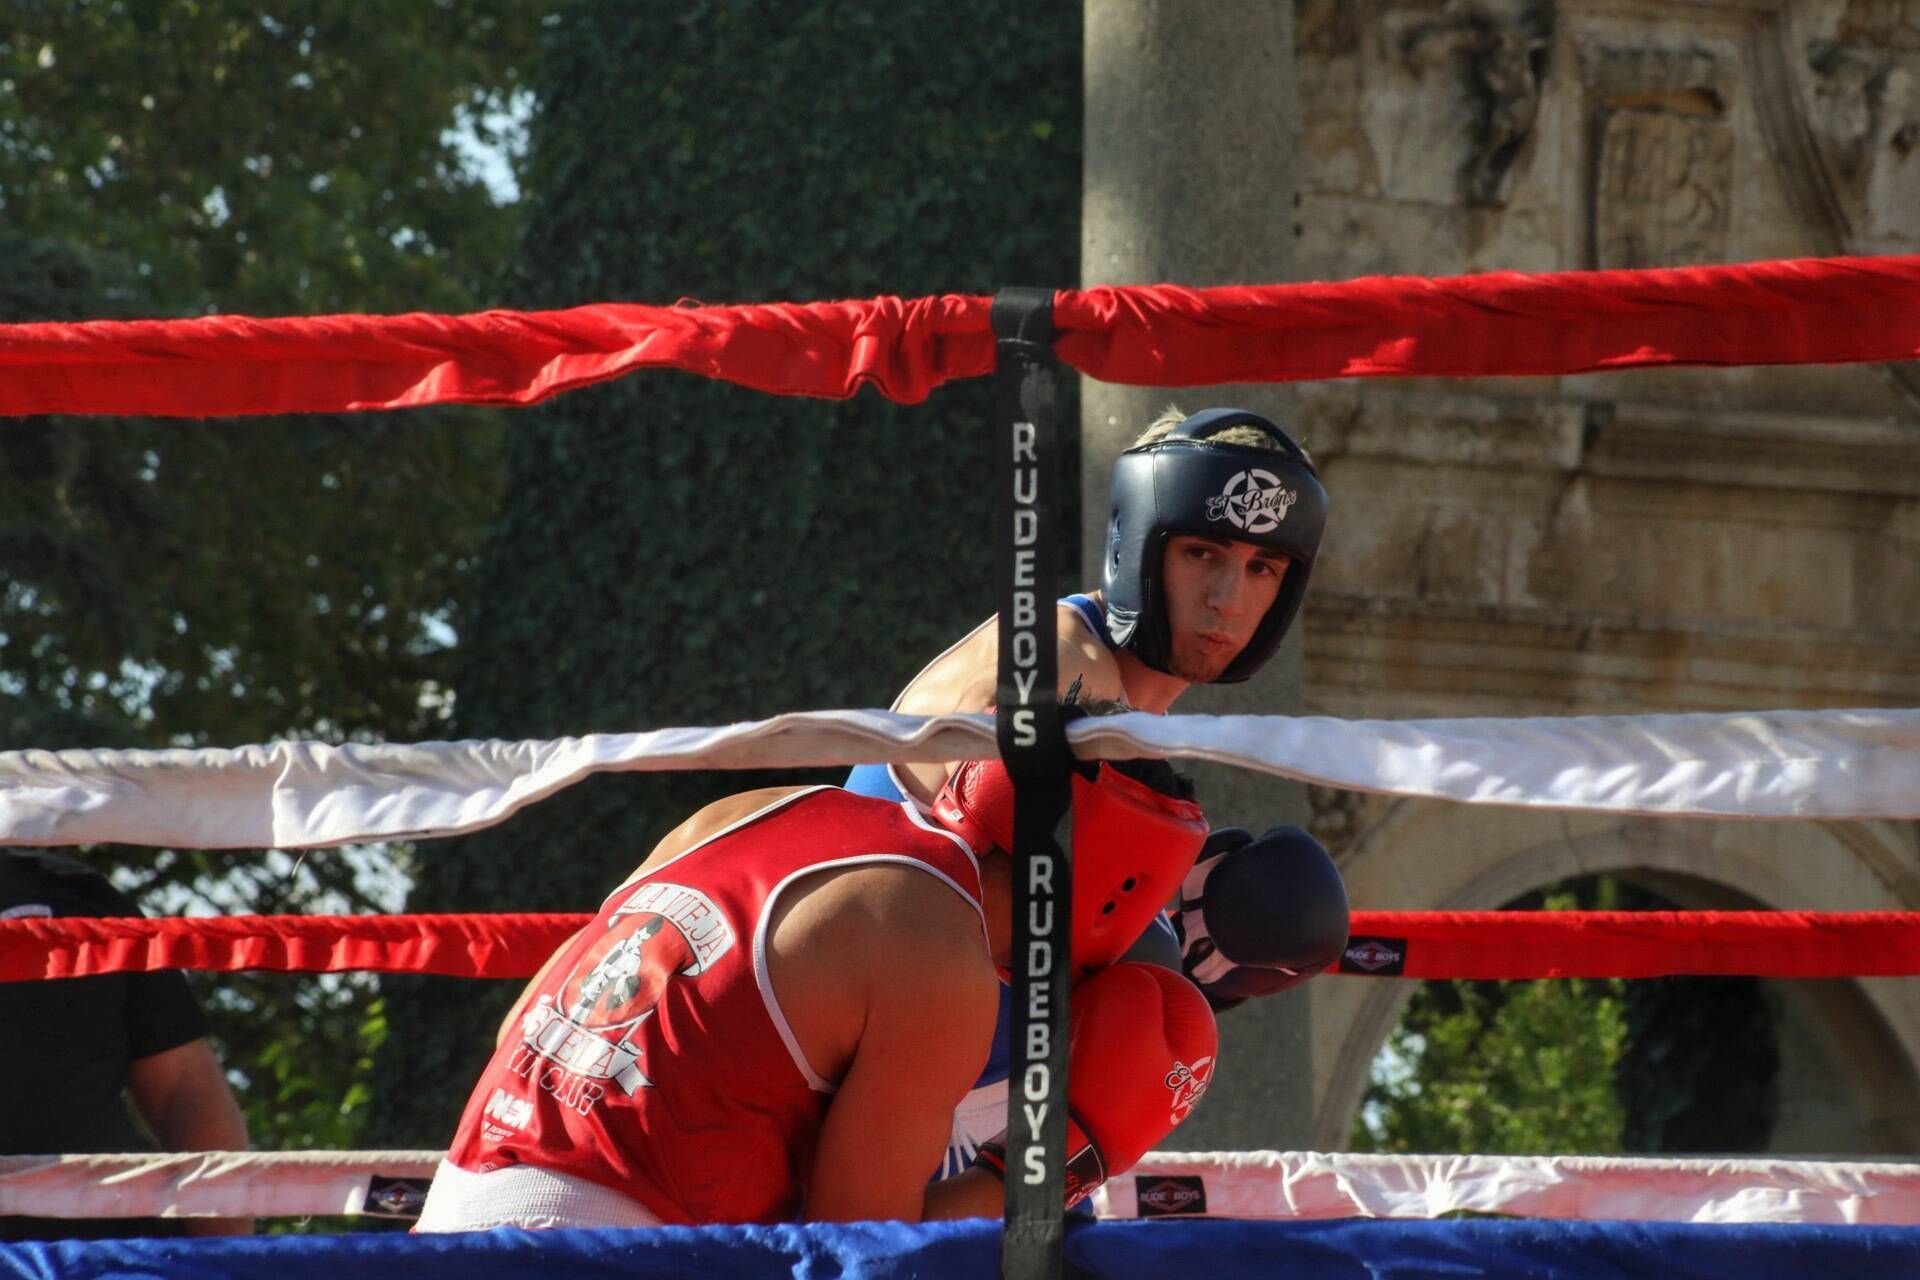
(1173, 415)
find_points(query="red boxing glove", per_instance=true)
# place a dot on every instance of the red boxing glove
(1141, 1047)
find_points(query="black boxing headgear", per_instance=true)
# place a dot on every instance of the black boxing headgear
(1187, 483)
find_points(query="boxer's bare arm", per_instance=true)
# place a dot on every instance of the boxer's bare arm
(929, 993)
(965, 677)
(706, 822)
(974, 1193)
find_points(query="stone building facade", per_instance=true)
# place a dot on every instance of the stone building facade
(1679, 540)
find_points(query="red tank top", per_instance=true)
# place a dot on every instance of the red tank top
(653, 1057)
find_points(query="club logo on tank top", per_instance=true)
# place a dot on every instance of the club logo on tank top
(579, 1041)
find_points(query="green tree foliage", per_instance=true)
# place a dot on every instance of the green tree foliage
(1698, 1070)
(672, 551)
(293, 161)
(1523, 1071)
(174, 583)
(187, 583)
(1679, 1064)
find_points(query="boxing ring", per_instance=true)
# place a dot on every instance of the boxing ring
(1307, 1214)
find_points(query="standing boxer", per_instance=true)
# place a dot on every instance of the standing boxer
(1216, 519)
(1215, 522)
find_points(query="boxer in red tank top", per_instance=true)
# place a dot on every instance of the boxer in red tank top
(654, 1057)
(777, 1014)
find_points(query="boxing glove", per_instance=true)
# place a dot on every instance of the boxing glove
(1259, 916)
(1140, 1052)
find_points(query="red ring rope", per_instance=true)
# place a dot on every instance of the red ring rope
(1802, 311)
(1429, 944)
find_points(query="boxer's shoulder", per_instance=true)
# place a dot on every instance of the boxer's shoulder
(964, 677)
(710, 821)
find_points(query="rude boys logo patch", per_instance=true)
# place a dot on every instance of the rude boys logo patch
(1382, 957)
(1168, 1194)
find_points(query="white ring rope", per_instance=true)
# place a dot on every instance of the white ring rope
(203, 1184)
(1775, 764)
(1296, 1184)
(1247, 1185)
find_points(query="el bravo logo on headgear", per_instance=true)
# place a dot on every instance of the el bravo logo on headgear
(1254, 501)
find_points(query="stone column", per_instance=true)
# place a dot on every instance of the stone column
(1189, 180)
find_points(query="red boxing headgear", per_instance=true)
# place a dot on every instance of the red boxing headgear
(1131, 847)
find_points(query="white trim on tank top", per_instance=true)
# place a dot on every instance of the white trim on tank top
(779, 803)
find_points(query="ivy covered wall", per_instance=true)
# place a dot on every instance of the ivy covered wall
(672, 551)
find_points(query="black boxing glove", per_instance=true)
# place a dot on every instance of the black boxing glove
(1259, 916)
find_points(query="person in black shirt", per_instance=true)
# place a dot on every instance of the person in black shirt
(79, 1048)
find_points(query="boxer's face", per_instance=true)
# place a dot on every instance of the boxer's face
(1217, 590)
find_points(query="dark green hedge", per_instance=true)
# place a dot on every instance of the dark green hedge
(672, 551)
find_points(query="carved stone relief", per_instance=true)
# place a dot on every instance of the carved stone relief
(1337, 818)
(1663, 156)
(1682, 540)
(1334, 153)
(1453, 90)
(1863, 108)
(1509, 67)
(1427, 129)
(1837, 85)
